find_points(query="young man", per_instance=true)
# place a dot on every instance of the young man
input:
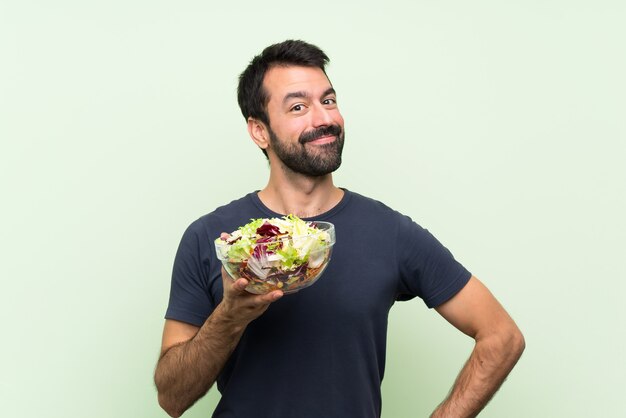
(319, 352)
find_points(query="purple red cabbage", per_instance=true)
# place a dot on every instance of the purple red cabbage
(259, 251)
(268, 230)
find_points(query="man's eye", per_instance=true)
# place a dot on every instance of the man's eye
(297, 108)
(329, 101)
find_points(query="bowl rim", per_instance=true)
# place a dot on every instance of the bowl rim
(330, 227)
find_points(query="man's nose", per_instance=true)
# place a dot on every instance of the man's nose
(321, 116)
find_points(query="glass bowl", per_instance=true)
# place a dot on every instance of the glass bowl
(289, 263)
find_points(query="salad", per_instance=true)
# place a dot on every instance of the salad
(279, 253)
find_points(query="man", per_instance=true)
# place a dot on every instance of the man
(319, 352)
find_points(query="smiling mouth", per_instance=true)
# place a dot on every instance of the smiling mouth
(322, 135)
(323, 140)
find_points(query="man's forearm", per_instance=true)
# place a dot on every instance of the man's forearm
(187, 371)
(489, 364)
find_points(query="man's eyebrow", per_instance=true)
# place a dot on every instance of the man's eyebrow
(295, 95)
(329, 92)
(305, 95)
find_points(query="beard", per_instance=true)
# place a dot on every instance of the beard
(317, 162)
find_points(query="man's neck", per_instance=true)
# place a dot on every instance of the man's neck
(305, 197)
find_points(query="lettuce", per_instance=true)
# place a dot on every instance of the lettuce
(289, 241)
(289, 257)
(241, 249)
(249, 229)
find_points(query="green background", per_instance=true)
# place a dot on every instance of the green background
(499, 126)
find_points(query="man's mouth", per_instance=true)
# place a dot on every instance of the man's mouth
(322, 135)
(323, 140)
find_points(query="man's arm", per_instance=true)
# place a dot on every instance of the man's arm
(499, 344)
(191, 357)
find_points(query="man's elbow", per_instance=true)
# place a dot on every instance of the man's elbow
(505, 343)
(518, 342)
(172, 410)
(513, 342)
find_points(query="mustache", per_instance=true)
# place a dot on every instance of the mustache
(330, 130)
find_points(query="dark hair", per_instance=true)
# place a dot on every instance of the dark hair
(251, 95)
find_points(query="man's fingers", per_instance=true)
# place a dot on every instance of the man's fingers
(240, 285)
(272, 296)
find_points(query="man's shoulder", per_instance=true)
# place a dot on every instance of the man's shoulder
(371, 213)
(362, 202)
(242, 204)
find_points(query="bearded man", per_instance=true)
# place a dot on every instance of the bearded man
(319, 352)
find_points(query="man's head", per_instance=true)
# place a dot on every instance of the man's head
(290, 107)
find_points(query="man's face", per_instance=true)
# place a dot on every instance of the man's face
(306, 129)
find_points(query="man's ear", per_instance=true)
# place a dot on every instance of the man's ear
(258, 132)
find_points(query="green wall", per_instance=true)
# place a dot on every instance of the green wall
(499, 126)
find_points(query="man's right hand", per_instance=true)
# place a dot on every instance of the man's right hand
(240, 306)
(192, 357)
